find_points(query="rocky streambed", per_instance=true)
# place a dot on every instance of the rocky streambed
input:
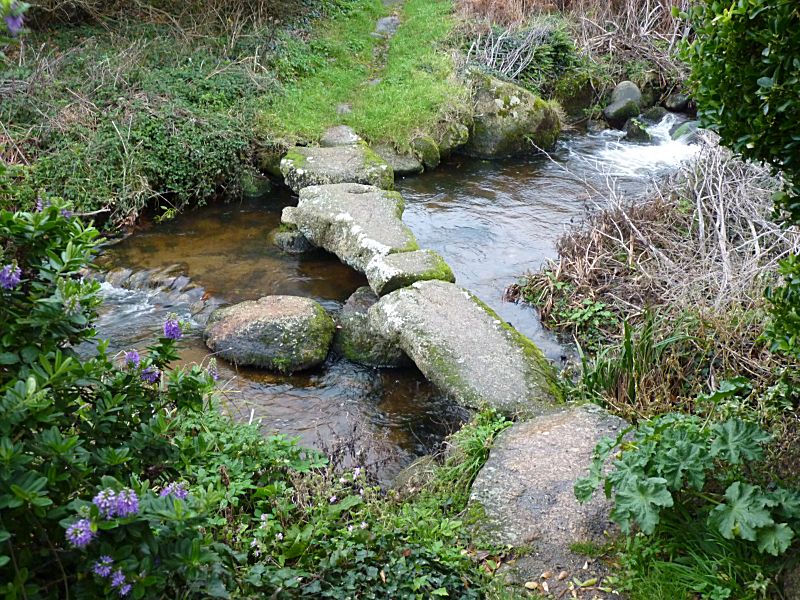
(381, 318)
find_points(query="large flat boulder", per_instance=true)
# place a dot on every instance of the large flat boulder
(391, 272)
(509, 120)
(356, 163)
(526, 493)
(280, 333)
(355, 222)
(464, 348)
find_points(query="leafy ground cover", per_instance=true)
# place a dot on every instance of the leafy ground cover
(148, 110)
(120, 477)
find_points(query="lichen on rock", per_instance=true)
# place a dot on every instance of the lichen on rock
(509, 120)
(280, 333)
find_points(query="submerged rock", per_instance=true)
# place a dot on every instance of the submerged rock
(255, 186)
(356, 222)
(280, 333)
(625, 104)
(360, 343)
(427, 151)
(388, 273)
(302, 167)
(464, 348)
(686, 131)
(290, 240)
(636, 131)
(509, 120)
(341, 135)
(402, 164)
(526, 492)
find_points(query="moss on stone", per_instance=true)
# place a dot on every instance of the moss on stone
(376, 164)
(427, 150)
(531, 352)
(294, 158)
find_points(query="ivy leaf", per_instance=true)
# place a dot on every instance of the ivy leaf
(743, 512)
(775, 539)
(736, 440)
(641, 500)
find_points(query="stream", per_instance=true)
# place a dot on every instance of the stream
(491, 221)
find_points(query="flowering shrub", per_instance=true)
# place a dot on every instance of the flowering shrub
(119, 477)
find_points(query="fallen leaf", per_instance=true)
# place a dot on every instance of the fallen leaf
(563, 575)
(547, 575)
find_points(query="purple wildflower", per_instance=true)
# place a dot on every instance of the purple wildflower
(356, 472)
(102, 567)
(132, 359)
(364, 525)
(127, 503)
(279, 536)
(125, 589)
(212, 369)
(67, 214)
(10, 276)
(14, 24)
(172, 329)
(106, 503)
(118, 578)
(332, 499)
(150, 375)
(175, 489)
(39, 205)
(80, 533)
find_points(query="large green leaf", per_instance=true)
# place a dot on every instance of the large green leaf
(687, 461)
(641, 500)
(742, 513)
(775, 539)
(737, 440)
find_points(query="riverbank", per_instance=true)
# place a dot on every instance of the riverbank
(664, 296)
(123, 112)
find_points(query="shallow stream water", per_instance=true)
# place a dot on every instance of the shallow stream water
(492, 222)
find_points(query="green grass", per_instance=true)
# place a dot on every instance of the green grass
(339, 61)
(416, 90)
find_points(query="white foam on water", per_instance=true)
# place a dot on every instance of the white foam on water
(630, 159)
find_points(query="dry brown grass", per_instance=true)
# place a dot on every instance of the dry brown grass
(704, 244)
(624, 31)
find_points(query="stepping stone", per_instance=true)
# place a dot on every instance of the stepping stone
(465, 349)
(356, 341)
(341, 135)
(386, 27)
(526, 492)
(281, 333)
(386, 274)
(353, 221)
(402, 164)
(305, 166)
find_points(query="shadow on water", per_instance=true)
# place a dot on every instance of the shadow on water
(492, 221)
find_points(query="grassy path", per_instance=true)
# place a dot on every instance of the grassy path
(392, 91)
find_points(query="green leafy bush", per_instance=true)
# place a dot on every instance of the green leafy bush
(119, 476)
(745, 61)
(678, 471)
